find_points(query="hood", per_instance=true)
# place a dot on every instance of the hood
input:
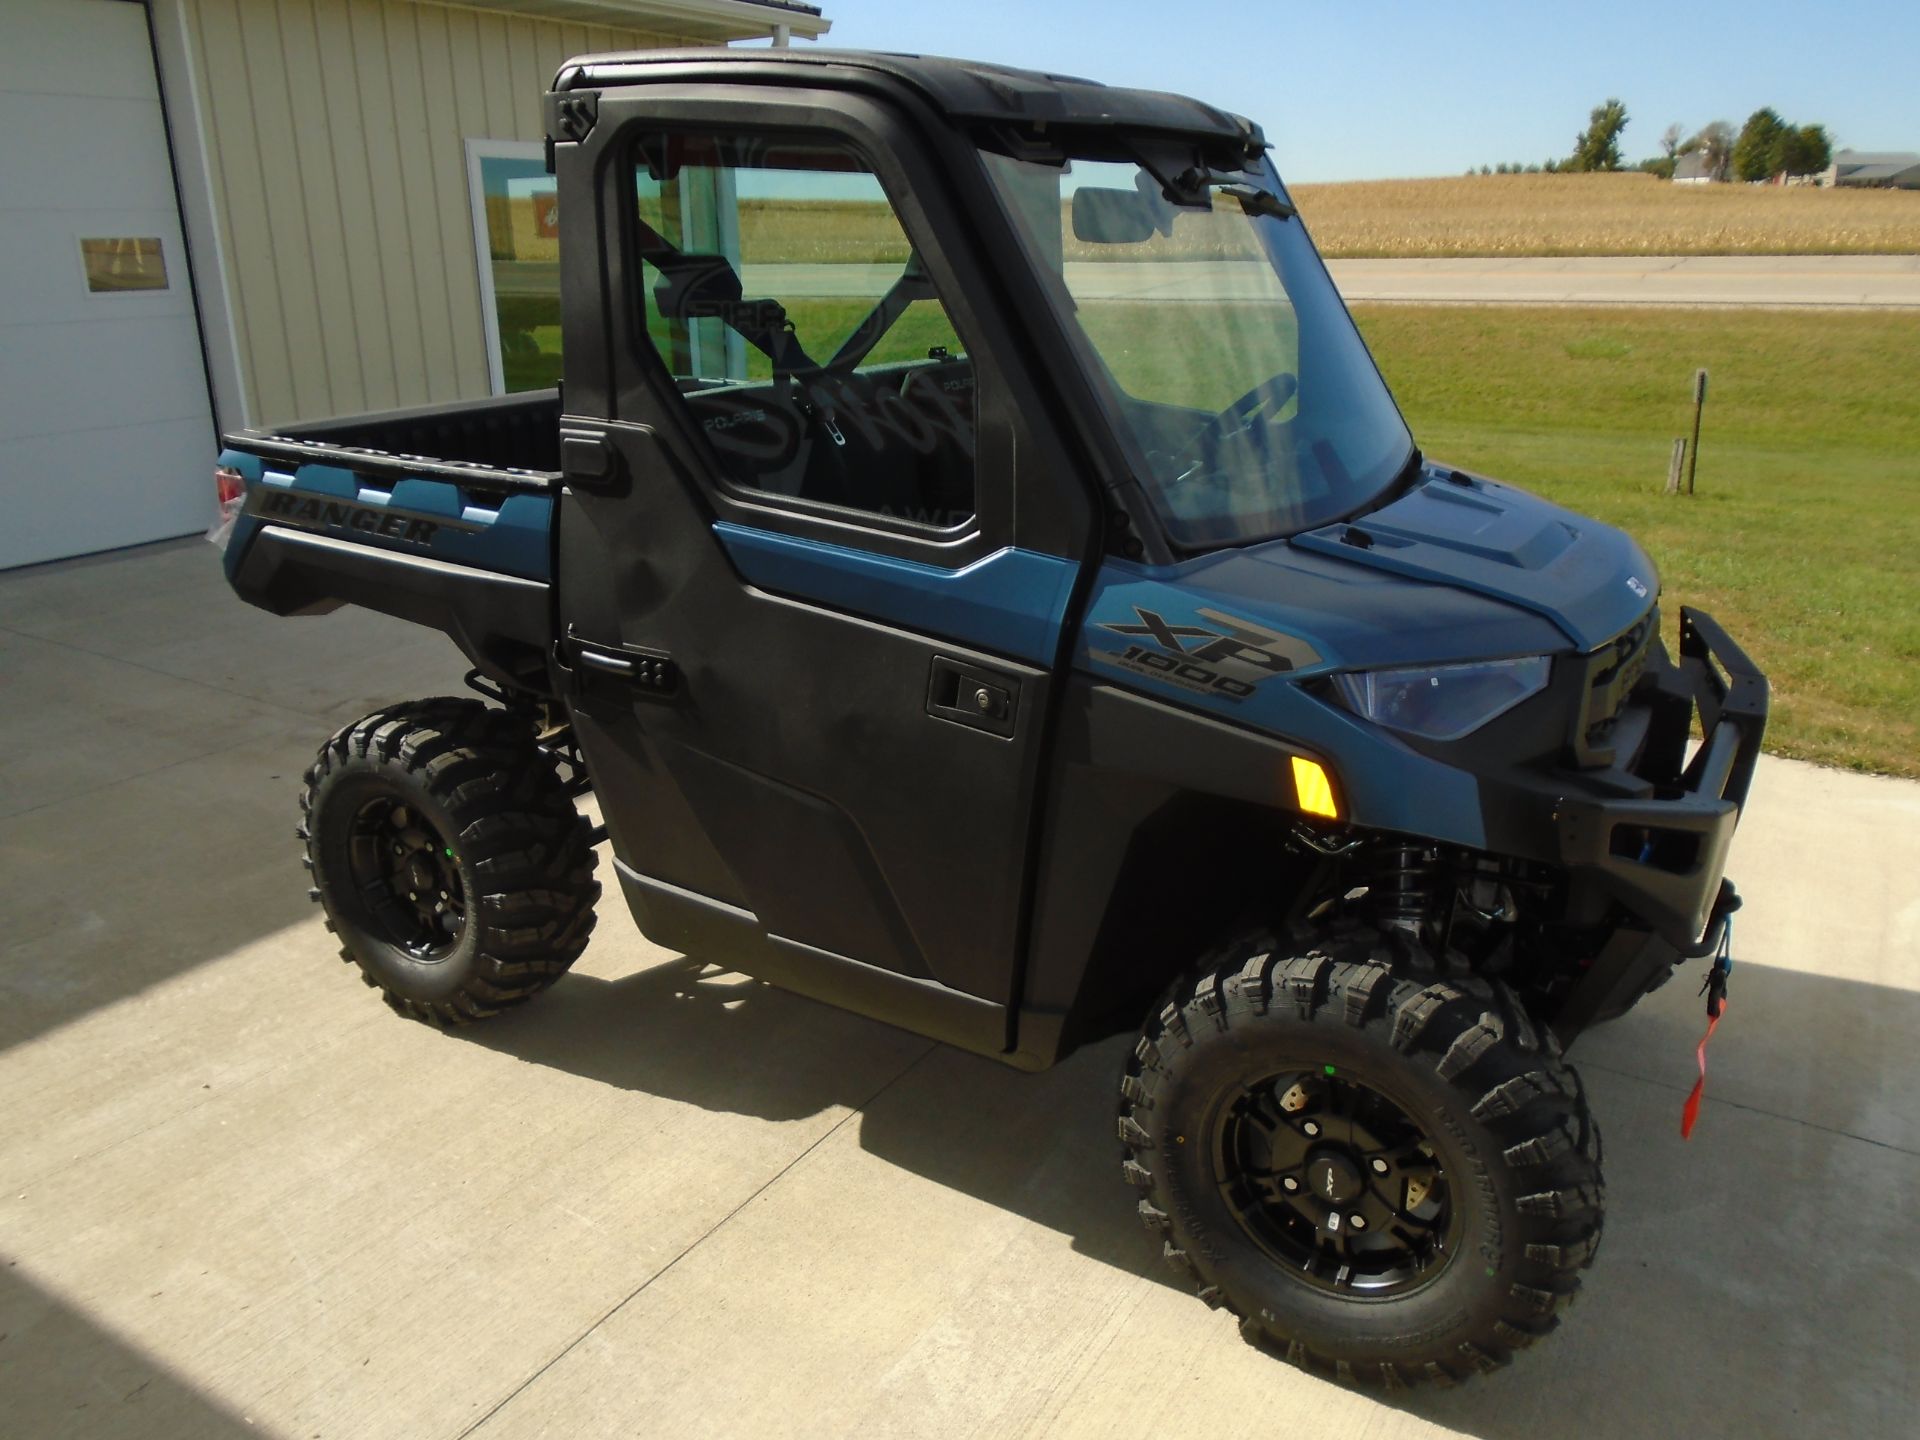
(1591, 580)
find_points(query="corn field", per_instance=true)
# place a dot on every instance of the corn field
(1626, 214)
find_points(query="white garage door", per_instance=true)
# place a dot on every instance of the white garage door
(106, 437)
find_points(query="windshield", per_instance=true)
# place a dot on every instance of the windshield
(1223, 351)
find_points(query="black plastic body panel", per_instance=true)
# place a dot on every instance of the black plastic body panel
(501, 622)
(1165, 829)
(699, 926)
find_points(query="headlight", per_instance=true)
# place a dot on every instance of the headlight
(1443, 702)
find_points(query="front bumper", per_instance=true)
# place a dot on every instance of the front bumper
(1662, 855)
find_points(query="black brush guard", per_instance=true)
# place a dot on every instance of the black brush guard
(1663, 858)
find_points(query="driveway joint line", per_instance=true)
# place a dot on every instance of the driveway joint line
(852, 1114)
(82, 794)
(1754, 1109)
(155, 670)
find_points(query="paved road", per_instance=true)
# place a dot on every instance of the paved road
(239, 1198)
(1827, 281)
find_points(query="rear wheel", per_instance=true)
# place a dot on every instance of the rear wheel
(449, 858)
(1387, 1178)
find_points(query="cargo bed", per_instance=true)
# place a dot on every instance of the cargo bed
(441, 515)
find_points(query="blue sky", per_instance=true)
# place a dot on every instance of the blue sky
(1361, 90)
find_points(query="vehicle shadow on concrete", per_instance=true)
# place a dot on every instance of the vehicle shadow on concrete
(1713, 1306)
(1039, 1145)
(63, 1376)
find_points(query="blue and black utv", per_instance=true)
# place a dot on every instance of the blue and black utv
(983, 578)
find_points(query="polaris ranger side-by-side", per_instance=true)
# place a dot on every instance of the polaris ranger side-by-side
(987, 585)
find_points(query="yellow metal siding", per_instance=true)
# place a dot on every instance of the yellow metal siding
(335, 137)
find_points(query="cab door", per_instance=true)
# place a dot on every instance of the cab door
(809, 631)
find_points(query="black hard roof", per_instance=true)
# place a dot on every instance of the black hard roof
(963, 89)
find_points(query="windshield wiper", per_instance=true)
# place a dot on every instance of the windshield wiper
(1197, 183)
(1193, 186)
(1259, 202)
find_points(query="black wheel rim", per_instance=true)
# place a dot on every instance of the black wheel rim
(407, 877)
(1337, 1183)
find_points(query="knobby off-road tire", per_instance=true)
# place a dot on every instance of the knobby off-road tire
(449, 858)
(1504, 1118)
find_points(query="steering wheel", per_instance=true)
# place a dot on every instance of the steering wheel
(1260, 404)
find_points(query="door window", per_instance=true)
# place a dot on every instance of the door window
(801, 328)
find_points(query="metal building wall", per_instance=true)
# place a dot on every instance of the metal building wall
(331, 135)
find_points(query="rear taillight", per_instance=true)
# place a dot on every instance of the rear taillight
(230, 489)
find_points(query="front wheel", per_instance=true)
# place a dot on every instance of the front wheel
(449, 858)
(1387, 1178)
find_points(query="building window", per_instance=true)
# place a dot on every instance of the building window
(517, 235)
(118, 263)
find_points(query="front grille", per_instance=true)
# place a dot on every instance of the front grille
(1613, 669)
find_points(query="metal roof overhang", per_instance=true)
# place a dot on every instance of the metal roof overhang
(712, 20)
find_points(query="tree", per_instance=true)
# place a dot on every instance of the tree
(1670, 142)
(1802, 151)
(1754, 151)
(1598, 146)
(1715, 144)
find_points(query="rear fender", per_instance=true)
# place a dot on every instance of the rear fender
(313, 537)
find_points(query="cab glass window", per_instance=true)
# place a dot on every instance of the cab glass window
(803, 333)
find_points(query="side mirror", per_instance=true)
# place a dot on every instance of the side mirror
(1114, 217)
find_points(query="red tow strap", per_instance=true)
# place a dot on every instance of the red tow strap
(1691, 1112)
(1714, 987)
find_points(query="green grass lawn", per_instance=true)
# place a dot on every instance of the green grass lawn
(1804, 535)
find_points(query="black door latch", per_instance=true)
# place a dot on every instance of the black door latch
(650, 671)
(968, 695)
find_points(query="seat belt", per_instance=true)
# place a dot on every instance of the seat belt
(914, 284)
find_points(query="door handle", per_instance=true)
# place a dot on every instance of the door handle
(968, 695)
(652, 671)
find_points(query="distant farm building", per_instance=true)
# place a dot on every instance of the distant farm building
(1895, 170)
(1692, 169)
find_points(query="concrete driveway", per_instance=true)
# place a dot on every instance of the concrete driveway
(238, 1197)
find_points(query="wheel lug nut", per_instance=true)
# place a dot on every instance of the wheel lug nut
(1380, 1167)
(1310, 1128)
(1290, 1183)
